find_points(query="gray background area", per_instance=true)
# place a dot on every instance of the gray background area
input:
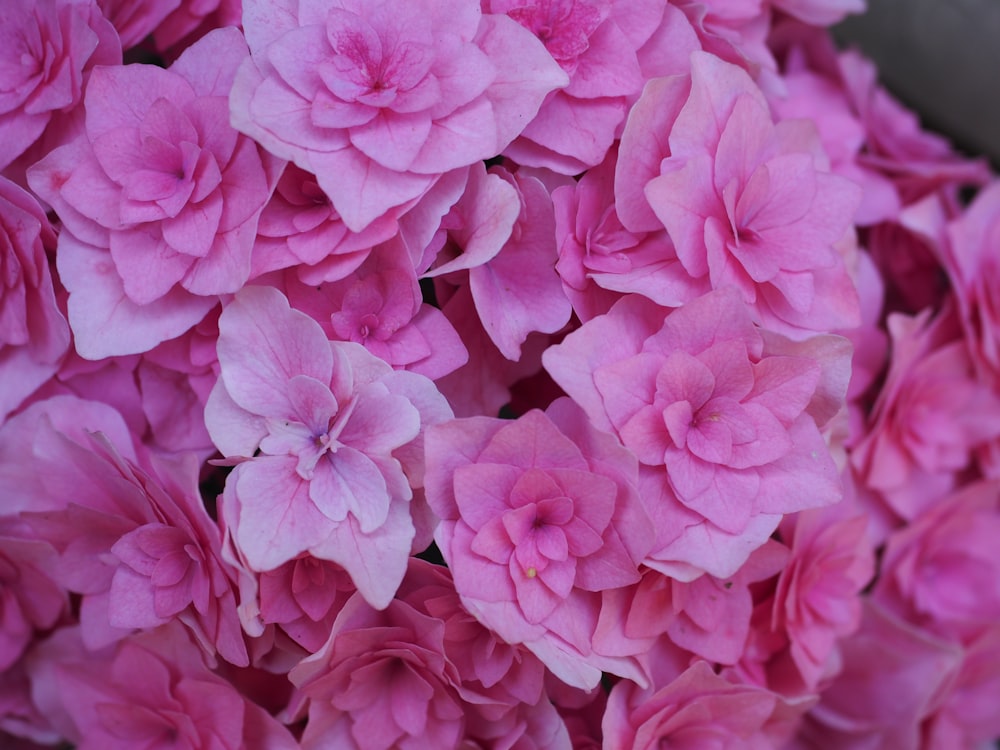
(940, 57)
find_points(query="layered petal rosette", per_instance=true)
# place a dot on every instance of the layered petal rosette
(327, 438)
(538, 516)
(722, 417)
(159, 199)
(378, 99)
(749, 203)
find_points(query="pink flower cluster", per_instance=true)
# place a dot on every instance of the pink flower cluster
(501, 374)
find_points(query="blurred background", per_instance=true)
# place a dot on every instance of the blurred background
(940, 57)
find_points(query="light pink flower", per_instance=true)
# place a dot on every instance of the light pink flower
(328, 442)
(159, 199)
(724, 421)
(697, 709)
(47, 49)
(538, 516)
(34, 335)
(378, 100)
(151, 690)
(748, 203)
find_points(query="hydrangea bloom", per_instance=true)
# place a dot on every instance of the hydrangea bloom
(326, 438)
(159, 199)
(723, 421)
(33, 332)
(537, 516)
(699, 708)
(379, 99)
(47, 48)
(152, 690)
(747, 202)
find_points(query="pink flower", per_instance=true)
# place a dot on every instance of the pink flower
(747, 203)
(600, 260)
(930, 415)
(942, 571)
(974, 270)
(33, 332)
(381, 681)
(328, 439)
(387, 96)
(697, 709)
(724, 421)
(47, 49)
(134, 20)
(538, 515)
(576, 125)
(130, 531)
(151, 690)
(380, 306)
(31, 602)
(816, 602)
(159, 199)
(894, 676)
(299, 227)
(501, 232)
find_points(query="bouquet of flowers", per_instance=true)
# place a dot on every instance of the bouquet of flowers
(488, 374)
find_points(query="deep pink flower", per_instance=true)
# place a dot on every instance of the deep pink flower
(130, 531)
(30, 601)
(381, 681)
(917, 161)
(502, 233)
(942, 571)
(33, 332)
(697, 709)
(722, 419)
(974, 270)
(820, 12)
(600, 260)
(894, 676)
(47, 49)
(299, 227)
(159, 199)
(328, 442)
(708, 617)
(380, 306)
(134, 20)
(151, 690)
(538, 516)
(378, 100)
(576, 125)
(930, 415)
(748, 203)
(817, 600)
